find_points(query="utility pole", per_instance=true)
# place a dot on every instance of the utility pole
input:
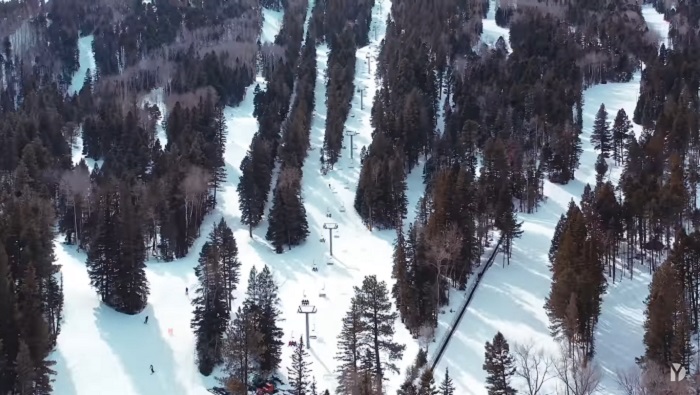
(352, 134)
(306, 309)
(369, 69)
(331, 226)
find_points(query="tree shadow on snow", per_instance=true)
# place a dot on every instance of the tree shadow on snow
(63, 383)
(138, 346)
(621, 318)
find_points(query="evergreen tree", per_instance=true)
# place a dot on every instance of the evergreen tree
(240, 350)
(35, 332)
(210, 311)
(24, 367)
(447, 386)
(621, 132)
(349, 350)
(130, 283)
(667, 335)
(116, 258)
(298, 373)
(577, 274)
(601, 168)
(287, 222)
(8, 325)
(253, 184)
(427, 383)
(402, 287)
(378, 324)
(600, 136)
(262, 297)
(222, 237)
(407, 388)
(507, 222)
(499, 366)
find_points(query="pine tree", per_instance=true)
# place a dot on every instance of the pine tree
(313, 388)
(24, 367)
(210, 312)
(103, 250)
(8, 325)
(34, 330)
(266, 304)
(349, 348)
(240, 350)
(254, 183)
(447, 386)
(287, 221)
(601, 167)
(130, 283)
(507, 222)
(600, 136)
(298, 373)
(378, 321)
(577, 272)
(621, 132)
(407, 388)
(222, 237)
(499, 366)
(667, 332)
(427, 383)
(402, 287)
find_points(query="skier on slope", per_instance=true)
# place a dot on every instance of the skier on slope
(187, 291)
(146, 320)
(152, 370)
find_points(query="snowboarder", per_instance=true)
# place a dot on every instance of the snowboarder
(146, 320)
(152, 371)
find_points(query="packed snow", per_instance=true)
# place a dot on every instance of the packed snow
(511, 299)
(86, 59)
(491, 31)
(272, 24)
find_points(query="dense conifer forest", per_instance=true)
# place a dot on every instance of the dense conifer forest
(490, 124)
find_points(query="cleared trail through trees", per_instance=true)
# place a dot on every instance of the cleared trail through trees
(442, 346)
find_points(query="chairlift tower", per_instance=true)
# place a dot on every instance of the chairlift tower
(351, 134)
(306, 308)
(331, 226)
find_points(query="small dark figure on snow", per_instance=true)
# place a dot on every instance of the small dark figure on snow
(146, 320)
(187, 291)
(152, 370)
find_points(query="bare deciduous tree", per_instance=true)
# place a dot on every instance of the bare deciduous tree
(443, 248)
(194, 186)
(75, 185)
(533, 366)
(652, 380)
(576, 374)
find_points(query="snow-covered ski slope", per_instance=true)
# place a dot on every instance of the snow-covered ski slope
(511, 299)
(125, 346)
(491, 31)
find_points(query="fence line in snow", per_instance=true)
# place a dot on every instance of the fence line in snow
(455, 321)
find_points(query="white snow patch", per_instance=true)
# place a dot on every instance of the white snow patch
(491, 31)
(656, 22)
(272, 24)
(86, 59)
